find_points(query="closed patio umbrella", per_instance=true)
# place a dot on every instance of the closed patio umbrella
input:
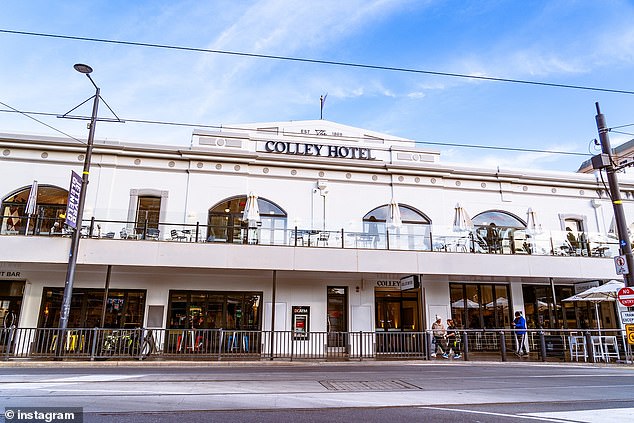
(251, 215)
(394, 215)
(461, 221)
(532, 226)
(31, 205)
(251, 212)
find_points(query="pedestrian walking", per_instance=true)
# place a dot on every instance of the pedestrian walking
(453, 340)
(519, 323)
(440, 338)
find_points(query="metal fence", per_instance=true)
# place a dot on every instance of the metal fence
(433, 238)
(218, 344)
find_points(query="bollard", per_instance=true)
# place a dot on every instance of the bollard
(93, 347)
(503, 345)
(589, 346)
(428, 343)
(542, 345)
(465, 346)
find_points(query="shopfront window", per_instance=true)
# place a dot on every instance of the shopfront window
(123, 308)
(215, 310)
(543, 312)
(225, 224)
(477, 306)
(50, 209)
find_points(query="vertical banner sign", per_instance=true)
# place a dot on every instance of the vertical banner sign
(73, 200)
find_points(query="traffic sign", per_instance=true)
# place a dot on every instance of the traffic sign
(629, 330)
(621, 265)
(626, 296)
(627, 317)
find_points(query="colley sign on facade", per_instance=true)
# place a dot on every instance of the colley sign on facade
(322, 150)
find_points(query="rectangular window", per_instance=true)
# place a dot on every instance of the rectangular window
(215, 310)
(477, 306)
(124, 308)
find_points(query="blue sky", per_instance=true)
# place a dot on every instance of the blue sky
(588, 43)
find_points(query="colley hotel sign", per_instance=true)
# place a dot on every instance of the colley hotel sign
(321, 150)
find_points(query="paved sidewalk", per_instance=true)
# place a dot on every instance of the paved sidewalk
(278, 363)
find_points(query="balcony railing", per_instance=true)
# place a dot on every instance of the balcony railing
(434, 238)
(592, 346)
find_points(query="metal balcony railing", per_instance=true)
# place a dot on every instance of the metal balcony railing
(432, 238)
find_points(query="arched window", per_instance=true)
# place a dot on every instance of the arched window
(224, 222)
(50, 205)
(495, 229)
(413, 234)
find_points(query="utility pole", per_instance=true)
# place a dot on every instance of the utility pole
(615, 195)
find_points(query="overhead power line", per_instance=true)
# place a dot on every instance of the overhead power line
(316, 61)
(237, 128)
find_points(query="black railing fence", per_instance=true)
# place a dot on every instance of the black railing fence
(592, 346)
(435, 238)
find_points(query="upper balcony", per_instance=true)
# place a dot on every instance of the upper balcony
(441, 251)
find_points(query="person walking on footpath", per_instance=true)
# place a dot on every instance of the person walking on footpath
(452, 339)
(440, 338)
(520, 334)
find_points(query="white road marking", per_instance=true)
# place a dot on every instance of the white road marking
(607, 415)
(489, 413)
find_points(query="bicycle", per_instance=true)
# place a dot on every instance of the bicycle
(121, 342)
(148, 345)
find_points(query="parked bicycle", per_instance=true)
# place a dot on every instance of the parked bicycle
(148, 347)
(131, 343)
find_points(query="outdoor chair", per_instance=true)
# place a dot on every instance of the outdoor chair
(323, 237)
(577, 348)
(177, 235)
(610, 348)
(152, 233)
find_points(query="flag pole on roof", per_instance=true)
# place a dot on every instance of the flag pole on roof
(322, 101)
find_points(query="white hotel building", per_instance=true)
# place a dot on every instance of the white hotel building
(168, 247)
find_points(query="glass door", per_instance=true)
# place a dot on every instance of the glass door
(9, 317)
(337, 315)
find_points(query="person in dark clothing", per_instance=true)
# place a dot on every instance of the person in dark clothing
(453, 340)
(520, 334)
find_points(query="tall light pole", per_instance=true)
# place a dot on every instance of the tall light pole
(74, 246)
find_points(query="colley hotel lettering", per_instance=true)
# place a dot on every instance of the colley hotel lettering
(323, 150)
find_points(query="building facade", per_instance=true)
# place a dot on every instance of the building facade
(344, 217)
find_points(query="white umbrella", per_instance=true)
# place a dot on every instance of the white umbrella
(499, 302)
(31, 205)
(394, 215)
(460, 304)
(532, 226)
(612, 230)
(606, 292)
(462, 222)
(251, 212)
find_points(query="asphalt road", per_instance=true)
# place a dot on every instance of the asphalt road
(323, 392)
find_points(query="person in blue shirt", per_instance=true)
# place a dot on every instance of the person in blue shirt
(519, 323)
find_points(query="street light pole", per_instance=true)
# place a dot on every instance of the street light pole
(74, 246)
(615, 196)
